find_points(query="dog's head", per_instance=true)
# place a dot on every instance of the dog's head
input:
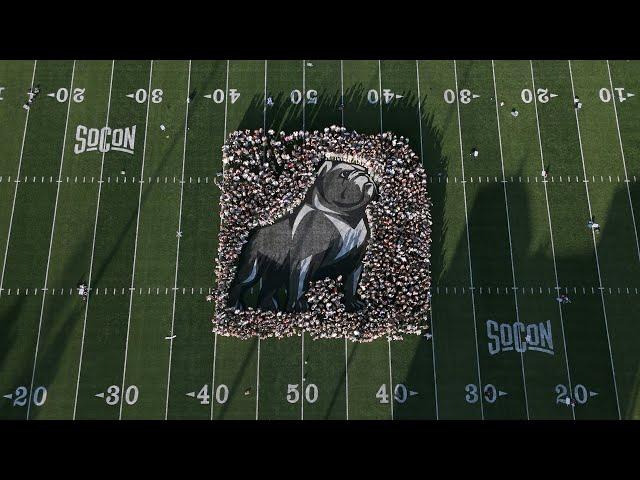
(344, 187)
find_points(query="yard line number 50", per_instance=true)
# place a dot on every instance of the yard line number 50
(310, 393)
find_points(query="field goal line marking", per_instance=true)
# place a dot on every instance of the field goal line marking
(53, 229)
(553, 248)
(466, 221)
(215, 337)
(135, 247)
(175, 279)
(595, 246)
(93, 246)
(15, 193)
(391, 389)
(506, 205)
(624, 163)
(433, 345)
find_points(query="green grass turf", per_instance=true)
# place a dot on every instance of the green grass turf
(512, 228)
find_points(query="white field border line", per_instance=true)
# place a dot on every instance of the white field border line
(53, 229)
(433, 345)
(466, 221)
(388, 336)
(215, 336)
(15, 193)
(595, 246)
(553, 248)
(346, 356)
(624, 163)
(175, 278)
(264, 128)
(135, 248)
(93, 246)
(506, 205)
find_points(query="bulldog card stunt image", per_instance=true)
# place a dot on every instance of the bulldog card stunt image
(323, 232)
(325, 237)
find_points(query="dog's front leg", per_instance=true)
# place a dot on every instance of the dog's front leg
(351, 301)
(299, 278)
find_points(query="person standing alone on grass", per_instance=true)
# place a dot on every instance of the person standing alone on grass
(474, 152)
(577, 104)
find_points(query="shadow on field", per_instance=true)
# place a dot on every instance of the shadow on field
(489, 237)
(449, 260)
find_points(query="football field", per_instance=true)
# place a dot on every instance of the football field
(108, 179)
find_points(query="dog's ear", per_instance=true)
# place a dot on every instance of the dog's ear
(326, 166)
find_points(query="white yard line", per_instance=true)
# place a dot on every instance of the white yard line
(264, 129)
(506, 204)
(433, 344)
(53, 229)
(302, 396)
(595, 246)
(466, 221)
(624, 162)
(304, 124)
(175, 280)
(215, 338)
(342, 90)
(135, 247)
(93, 246)
(346, 358)
(553, 249)
(388, 337)
(17, 180)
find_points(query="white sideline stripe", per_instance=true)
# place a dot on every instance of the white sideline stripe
(506, 205)
(175, 279)
(264, 129)
(595, 247)
(346, 357)
(433, 344)
(135, 247)
(215, 336)
(466, 221)
(624, 163)
(53, 229)
(388, 337)
(15, 192)
(93, 246)
(553, 248)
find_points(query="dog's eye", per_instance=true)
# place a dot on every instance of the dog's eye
(344, 174)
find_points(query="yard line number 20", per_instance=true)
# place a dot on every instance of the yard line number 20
(20, 397)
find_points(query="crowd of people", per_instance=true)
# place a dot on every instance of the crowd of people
(266, 175)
